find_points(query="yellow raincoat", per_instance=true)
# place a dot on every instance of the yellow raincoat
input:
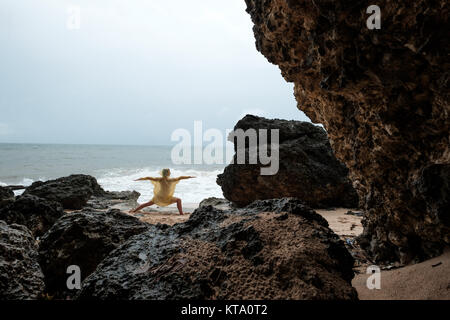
(163, 191)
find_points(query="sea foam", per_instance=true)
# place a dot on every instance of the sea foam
(190, 191)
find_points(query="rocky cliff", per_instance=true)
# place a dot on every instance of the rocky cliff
(383, 97)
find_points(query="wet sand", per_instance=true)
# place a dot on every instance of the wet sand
(341, 223)
(166, 215)
(428, 280)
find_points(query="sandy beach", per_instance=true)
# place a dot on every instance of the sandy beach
(343, 224)
(428, 280)
(340, 222)
(166, 215)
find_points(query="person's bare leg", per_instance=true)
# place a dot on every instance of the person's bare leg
(179, 206)
(142, 206)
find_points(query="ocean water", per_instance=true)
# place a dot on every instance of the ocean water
(115, 167)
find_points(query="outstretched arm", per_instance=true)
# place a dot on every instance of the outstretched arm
(148, 178)
(184, 178)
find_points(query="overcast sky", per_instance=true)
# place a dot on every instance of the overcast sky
(133, 72)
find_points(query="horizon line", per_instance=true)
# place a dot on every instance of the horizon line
(89, 144)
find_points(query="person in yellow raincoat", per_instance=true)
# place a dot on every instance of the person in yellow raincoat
(164, 188)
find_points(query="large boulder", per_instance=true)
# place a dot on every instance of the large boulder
(73, 192)
(6, 195)
(383, 98)
(37, 214)
(273, 249)
(83, 239)
(20, 274)
(308, 168)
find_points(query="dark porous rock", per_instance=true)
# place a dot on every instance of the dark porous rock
(308, 169)
(37, 214)
(291, 205)
(21, 276)
(123, 200)
(253, 253)
(383, 98)
(433, 186)
(122, 195)
(72, 192)
(6, 195)
(83, 238)
(218, 203)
